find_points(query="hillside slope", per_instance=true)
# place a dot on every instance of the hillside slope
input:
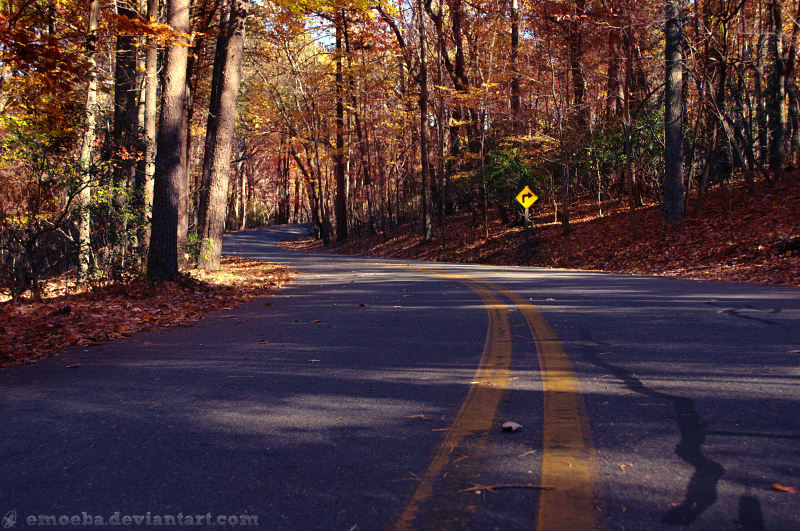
(740, 236)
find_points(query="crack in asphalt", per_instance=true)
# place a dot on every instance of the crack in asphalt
(701, 491)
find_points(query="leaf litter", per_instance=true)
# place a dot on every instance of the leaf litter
(69, 316)
(739, 237)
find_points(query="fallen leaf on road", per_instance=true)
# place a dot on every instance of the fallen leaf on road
(511, 426)
(362, 304)
(794, 352)
(781, 488)
(74, 366)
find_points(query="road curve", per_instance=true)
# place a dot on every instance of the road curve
(370, 394)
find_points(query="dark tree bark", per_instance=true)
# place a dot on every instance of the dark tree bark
(125, 107)
(762, 51)
(427, 225)
(673, 115)
(213, 111)
(626, 119)
(515, 99)
(341, 184)
(162, 263)
(214, 220)
(575, 40)
(777, 100)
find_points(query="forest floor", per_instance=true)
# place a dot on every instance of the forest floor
(72, 316)
(739, 236)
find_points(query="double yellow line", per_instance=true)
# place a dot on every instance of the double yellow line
(568, 457)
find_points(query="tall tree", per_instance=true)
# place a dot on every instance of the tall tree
(213, 110)
(85, 193)
(341, 183)
(162, 262)
(575, 42)
(150, 116)
(214, 219)
(427, 225)
(515, 97)
(777, 92)
(673, 112)
(125, 111)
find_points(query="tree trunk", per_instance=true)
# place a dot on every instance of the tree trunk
(440, 160)
(673, 115)
(575, 39)
(361, 135)
(565, 171)
(85, 193)
(626, 119)
(150, 115)
(214, 219)
(341, 184)
(162, 263)
(777, 100)
(213, 111)
(427, 225)
(515, 100)
(613, 90)
(761, 97)
(185, 203)
(125, 110)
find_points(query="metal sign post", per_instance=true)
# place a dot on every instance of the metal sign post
(526, 198)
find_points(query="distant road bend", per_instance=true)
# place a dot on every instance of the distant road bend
(371, 394)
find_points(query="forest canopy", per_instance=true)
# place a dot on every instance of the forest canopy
(134, 134)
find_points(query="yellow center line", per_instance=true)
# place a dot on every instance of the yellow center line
(568, 455)
(475, 418)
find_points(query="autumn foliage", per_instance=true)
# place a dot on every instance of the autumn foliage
(71, 316)
(369, 119)
(743, 237)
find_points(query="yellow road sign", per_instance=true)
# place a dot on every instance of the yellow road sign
(526, 197)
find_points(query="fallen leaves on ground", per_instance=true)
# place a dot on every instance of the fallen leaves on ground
(37, 330)
(740, 236)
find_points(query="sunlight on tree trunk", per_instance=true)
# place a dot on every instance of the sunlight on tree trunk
(427, 225)
(214, 219)
(85, 193)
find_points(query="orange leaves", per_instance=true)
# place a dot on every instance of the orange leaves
(163, 34)
(743, 238)
(35, 331)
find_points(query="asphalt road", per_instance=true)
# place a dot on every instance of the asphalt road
(370, 395)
